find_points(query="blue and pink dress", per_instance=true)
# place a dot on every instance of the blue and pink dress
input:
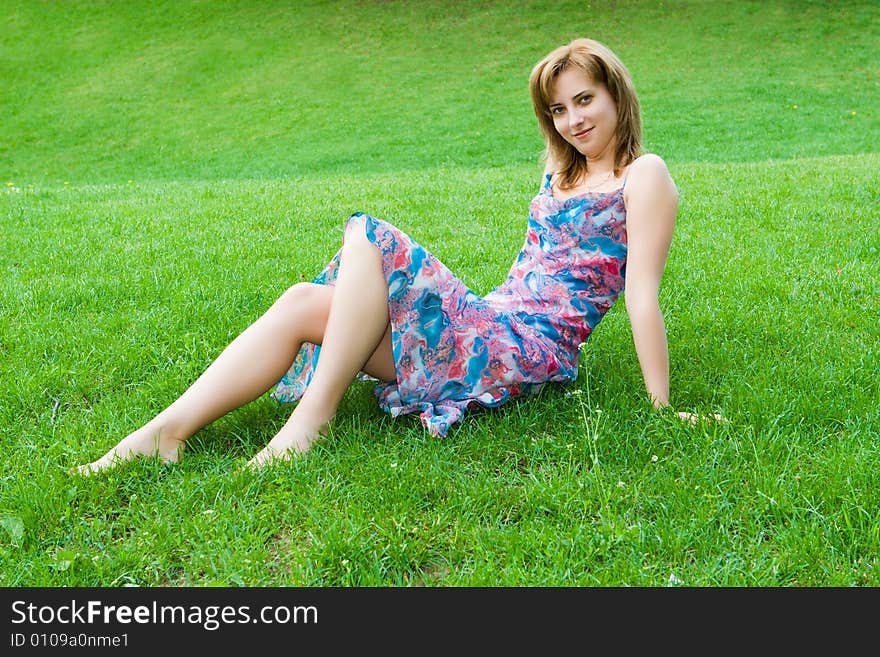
(453, 348)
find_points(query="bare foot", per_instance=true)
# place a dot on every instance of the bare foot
(286, 444)
(136, 445)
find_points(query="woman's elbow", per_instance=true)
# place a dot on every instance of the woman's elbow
(639, 305)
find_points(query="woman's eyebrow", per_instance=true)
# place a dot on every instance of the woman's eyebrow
(575, 97)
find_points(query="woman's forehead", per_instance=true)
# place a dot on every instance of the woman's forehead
(569, 83)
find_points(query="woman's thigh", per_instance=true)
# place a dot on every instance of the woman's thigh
(308, 307)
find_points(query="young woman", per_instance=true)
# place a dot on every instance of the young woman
(602, 222)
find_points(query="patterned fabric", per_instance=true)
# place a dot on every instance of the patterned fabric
(453, 348)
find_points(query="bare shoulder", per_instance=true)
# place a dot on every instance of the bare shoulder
(651, 201)
(648, 168)
(648, 180)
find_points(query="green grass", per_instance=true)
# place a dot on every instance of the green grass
(112, 91)
(174, 169)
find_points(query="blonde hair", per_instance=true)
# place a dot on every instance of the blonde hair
(601, 65)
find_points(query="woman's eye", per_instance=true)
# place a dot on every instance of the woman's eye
(585, 99)
(556, 111)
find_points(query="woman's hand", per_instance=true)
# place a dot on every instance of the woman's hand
(693, 418)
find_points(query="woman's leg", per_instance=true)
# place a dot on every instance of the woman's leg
(357, 327)
(246, 369)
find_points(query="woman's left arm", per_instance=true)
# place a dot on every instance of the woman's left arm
(651, 205)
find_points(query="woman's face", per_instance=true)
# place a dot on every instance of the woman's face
(584, 113)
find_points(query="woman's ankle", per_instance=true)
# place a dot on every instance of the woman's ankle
(163, 442)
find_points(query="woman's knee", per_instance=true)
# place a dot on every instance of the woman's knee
(302, 298)
(304, 307)
(355, 237)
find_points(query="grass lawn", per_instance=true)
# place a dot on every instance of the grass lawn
(169, 168)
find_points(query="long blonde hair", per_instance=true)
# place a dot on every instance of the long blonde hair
(600, 64)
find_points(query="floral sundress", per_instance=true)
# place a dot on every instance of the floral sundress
(454, 349)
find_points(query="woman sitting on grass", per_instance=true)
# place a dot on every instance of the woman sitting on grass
(602, 222)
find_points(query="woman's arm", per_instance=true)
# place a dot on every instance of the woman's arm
(651, 205)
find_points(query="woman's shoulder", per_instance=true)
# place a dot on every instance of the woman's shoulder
(648, 165)
(649, 172)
